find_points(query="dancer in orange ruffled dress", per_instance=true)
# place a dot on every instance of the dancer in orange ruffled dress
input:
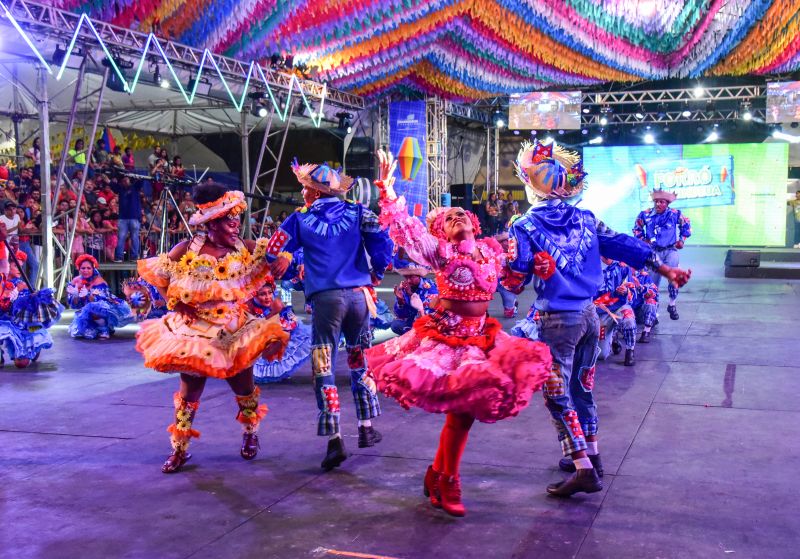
(210, 333)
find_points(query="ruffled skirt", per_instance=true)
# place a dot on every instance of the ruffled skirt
(21, 343)
(448, 363)
(170, 345)
(100, 317)
(298, 351)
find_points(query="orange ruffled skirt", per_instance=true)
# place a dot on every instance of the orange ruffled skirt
(202, 348)
(448, 363)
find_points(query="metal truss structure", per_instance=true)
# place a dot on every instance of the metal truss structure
(107, 47)
(436, 150)
(674, 105)
(80, 33)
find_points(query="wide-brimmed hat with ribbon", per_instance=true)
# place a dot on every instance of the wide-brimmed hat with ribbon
(322, 178)
(549, 171)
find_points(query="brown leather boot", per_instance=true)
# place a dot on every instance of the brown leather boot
(583, 480)
(450, 491)
(430, 487)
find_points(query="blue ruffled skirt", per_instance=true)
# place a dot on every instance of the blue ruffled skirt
(100, 317)
(20, 343)
(298, 351)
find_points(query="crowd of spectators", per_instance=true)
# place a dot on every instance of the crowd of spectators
(115, 212)
(497, 212)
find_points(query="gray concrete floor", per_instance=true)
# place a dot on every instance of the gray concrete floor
(695, 438)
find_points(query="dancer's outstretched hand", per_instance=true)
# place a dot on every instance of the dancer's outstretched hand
(278, 267)
(387, 166)
(676, 276)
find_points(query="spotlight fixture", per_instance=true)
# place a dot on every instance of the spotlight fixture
(548, 140)
(596, 140)
(533, 133)
(686, 113)
(744, 110)
(640, 112)
(516, 132)
(58, 55)
(345, 119)
(258, 107)
(662, 111)
(713, 136)
(497, 119)
(649, 138)
(586, 110)
(605, 113)
(698, 91)
(584, 131)
(560, 132)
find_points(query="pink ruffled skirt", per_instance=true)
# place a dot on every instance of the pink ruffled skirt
(448, 363)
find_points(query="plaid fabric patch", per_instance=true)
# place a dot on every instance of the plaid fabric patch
(570, 433)
(554, 385)
(365, 394)
(327, 424)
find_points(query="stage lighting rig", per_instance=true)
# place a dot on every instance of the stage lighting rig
(345, 120)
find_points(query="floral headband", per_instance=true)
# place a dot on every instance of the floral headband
(86, 258)
(231, 203)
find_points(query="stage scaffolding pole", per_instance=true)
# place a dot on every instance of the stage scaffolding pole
(62, 162)
(65, 269)
(48, 257)
(274, 171)
(244, 134)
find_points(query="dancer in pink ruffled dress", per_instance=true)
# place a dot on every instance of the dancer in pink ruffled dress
(456, 360)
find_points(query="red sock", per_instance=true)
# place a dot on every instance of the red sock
(452, 443)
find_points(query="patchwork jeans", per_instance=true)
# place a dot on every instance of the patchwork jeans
(670, 257)
(337, 312)
(624, 325)
(572, 337)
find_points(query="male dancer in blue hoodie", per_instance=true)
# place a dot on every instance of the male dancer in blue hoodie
(560, 246)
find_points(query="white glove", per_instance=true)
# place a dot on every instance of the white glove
(72, 290)
(416, 303)
(386, 175)
(83, 292)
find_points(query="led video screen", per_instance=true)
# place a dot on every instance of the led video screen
(545, 110)
(734, 194)
(783, 102)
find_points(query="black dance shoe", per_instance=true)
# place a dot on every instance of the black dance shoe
(673, 312)
(629, 360)
(336, 454)
(368, 436)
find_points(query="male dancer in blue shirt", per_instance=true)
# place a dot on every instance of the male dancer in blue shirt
(560, 245)
(666, 229)
(337, 237)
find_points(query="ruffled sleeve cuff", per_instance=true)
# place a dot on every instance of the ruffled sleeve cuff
(409, 232)
(155, 271)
